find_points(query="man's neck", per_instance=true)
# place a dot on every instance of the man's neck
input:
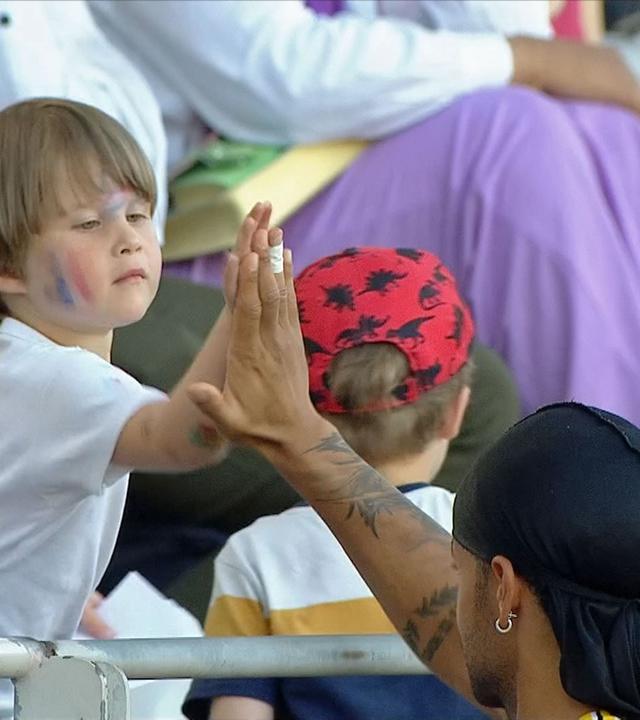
(540, 695)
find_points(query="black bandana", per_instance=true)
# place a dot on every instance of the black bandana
(559, 495)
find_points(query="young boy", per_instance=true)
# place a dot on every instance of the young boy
(388, 341)
(79, 257)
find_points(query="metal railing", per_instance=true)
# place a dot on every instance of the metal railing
(87, 679)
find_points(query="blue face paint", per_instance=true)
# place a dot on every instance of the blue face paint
(64, 293)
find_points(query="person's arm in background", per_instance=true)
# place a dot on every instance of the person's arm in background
(276, 72)
(576, 70)
(402, 554)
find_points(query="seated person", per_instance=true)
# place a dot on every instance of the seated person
(388, 343)
(531, 197)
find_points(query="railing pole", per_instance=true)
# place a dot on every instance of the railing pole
(224, 657)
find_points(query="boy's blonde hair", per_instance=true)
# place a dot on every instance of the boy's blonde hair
(44, 142)
(367, 375)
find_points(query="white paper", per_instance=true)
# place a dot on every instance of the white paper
(136, 609)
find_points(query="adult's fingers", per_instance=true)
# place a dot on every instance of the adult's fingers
(292, 302)
(247, 310)
(275, 236)
(260, 240)
(274, 239)
(269, 295)
(211, 402)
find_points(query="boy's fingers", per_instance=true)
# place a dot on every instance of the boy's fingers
(275, 236)
(265, 219)
(245, 233)
(231, 279)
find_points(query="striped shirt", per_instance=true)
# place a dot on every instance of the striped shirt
(287, 575)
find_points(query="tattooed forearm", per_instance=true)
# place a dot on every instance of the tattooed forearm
(445, 626)
(332, 443)
(411, 636)
(439, 600)
(365, 492)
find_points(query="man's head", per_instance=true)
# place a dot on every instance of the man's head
(70, 172)
(388, 340)
(546, 539)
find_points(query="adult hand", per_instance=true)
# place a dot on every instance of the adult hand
(253, 232)
(265, 400)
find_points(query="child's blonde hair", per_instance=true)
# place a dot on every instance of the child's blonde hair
(44, 142)
(367, 375)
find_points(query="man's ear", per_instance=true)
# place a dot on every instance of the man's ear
(508, 586)
(454, 414)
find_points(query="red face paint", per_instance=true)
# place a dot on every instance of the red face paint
(78, 279)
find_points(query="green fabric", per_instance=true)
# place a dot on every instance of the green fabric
(225, 163)
(158, 350)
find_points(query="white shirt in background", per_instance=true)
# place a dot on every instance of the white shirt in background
(273, 71)
(55, 49)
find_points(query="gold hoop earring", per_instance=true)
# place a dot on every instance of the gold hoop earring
(505, 630)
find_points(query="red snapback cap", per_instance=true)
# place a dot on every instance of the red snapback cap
(405, 297)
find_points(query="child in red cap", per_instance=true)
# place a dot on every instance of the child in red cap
(388, 341)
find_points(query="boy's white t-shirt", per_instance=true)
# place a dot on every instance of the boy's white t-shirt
(61, 499)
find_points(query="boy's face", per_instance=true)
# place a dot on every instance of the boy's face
(94, 266)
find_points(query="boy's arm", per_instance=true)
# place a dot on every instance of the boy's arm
(174, 434)
(403, 555)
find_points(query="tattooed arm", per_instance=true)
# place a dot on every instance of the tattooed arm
(403, 555)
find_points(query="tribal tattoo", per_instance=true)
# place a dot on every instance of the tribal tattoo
(445, 626)
(366, 493)
(439, 601)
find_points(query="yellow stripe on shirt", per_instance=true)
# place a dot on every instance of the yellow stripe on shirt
(232, 615)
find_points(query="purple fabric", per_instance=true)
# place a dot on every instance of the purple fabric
(325, 7)
(533, 204)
